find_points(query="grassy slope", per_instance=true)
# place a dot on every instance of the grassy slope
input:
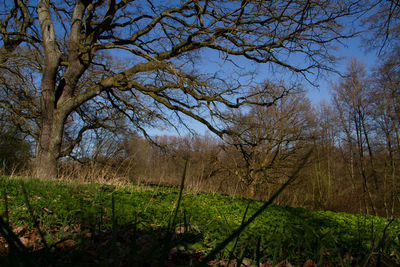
(295, 234)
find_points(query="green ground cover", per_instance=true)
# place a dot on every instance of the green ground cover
(78, 212)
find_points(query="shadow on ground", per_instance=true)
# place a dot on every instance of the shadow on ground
(125, 246)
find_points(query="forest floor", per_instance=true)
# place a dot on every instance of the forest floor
(69, 223)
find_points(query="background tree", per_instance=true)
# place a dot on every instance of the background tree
(269, 138)
(15, 150)
(386, 113)
(159, 39)
(361, 143)
(324, 176)
(383, 26)
(351, 100)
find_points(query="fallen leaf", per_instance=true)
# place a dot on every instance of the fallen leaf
(66, 243)
(24, 241)
(20, 230)
(69, 243)
(246, 262)
(180, 230)
(309, 263)
(284, 263)
(47, 211)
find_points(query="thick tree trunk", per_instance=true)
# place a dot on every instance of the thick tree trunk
(51, 125)
(46, 165)
(49, 147)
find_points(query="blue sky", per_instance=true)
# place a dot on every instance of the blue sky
(352, 50)
(211, 62)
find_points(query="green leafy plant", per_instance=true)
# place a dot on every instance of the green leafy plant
(128, 223)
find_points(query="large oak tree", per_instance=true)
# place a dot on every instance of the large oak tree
(70, 48)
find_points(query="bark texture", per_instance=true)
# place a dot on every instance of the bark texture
(51, 120)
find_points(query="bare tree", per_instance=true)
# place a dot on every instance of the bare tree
(325, 159)
(386, 106)
(269, 139)
(159, 40)
(383, 25)
(351, 98)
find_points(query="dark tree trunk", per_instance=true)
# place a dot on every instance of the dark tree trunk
(51, 125)
(49, 147)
